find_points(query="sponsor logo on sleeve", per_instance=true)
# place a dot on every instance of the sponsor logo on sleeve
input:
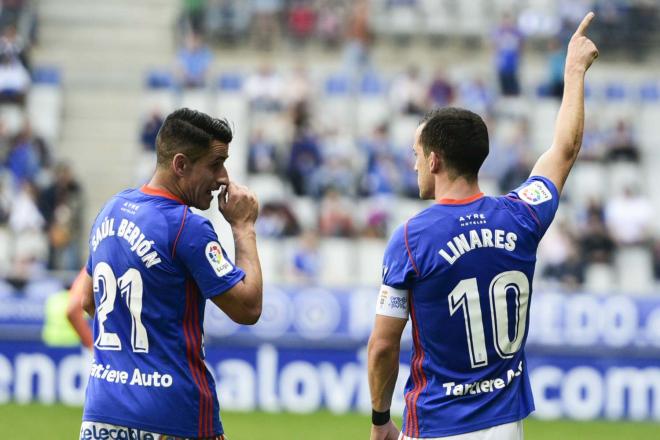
(535, 193)
(217, 261)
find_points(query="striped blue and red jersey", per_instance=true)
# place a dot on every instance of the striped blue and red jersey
(154, 263)
(462, 271)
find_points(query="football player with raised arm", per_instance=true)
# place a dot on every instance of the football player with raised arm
(462, 271)
(152, 266)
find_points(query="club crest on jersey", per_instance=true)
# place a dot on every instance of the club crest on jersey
(535, 193)
(217, 261)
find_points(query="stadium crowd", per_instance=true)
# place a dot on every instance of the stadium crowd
(337, 145)
(40, 199)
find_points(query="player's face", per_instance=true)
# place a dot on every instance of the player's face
(208, 174)
(425, 179)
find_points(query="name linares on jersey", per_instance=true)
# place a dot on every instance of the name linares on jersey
(468, 241)
(129, 231)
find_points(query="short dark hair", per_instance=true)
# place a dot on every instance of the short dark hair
(459, 136)
(189, 132)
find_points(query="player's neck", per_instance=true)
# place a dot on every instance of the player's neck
(163, 182)
(457, 189)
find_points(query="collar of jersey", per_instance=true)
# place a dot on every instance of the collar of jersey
(461, 201)
(160, 193)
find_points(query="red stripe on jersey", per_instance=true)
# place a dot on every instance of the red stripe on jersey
(411, 413)
(405, 236)
(418, 366)
(461, 201)
(200, 364)
(183, 221)
(188, 332)
(161, 193)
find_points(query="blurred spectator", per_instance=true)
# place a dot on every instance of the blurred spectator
(556, 59)
(227, 20)
(441, 92)
(150, 130)
(560, 256)
(336, 216)
(192, 17)
(508, 44)
(276, 220)
(593, 142)
(14, 80)
(335, 173)
(29, 244)
(357, 45)
(302, 21)
(595, 242)
(12, 45)
(629, 218)
(265, 89)
(299, 88)
(382, 176)
(329, 23)
(516, 174)
(304, 161)
(193, 61)
(621, 145)
(377, 218)
(476, 96)
(408, 93)
(262, 154)
(265, 24)
(23, 159)
(61, 206)
(306, 259)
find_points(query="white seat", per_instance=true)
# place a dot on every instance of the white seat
(544, 113)
(337, 262)
(623, 175)
(268, 187)
(306, 210)
(587, 180)
(197, 100)
(370, 253)
(371, 112)
(599, 278)
(164, 100)
(634, 269)
(44, 109)
(272, 261)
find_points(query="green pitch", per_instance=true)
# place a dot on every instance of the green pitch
(29, 422)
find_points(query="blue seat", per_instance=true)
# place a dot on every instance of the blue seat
(372, 84)
(650, 92)
(230, 82)
(337, 84)
(160, 79)
(46, 75)
(615, 92)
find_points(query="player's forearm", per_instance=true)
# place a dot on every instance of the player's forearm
(247, 258)
(383, 366)
(569, 126)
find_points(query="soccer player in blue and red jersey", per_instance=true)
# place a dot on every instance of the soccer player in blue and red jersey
(152, 266)
(462, 271)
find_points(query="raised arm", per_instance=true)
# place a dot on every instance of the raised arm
(556, 163)
(242, 303)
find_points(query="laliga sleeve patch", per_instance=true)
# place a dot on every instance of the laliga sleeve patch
(392, 302)
(220, 266)
(535, 193)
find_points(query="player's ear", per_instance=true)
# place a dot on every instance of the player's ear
(180, 164)
(435, 162)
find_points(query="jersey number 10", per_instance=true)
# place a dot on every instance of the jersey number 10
(466, 296)
(130, 287)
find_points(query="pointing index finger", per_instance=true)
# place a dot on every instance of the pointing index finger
(582, 28)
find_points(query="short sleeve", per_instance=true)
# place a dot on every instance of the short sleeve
(200, 251)
(88, 266)
(398, 266)
(541, 197)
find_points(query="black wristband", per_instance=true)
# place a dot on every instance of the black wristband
(380, 418)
